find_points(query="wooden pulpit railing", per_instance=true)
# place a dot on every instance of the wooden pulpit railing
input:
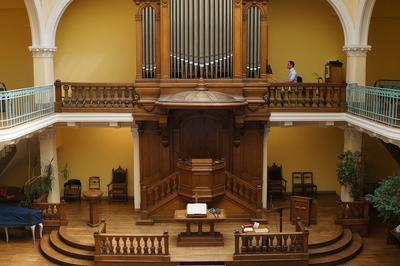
(244, 190)
(53, 215)
(306, 97)
(96, 97)
(277, 246)
(157, 192)
(129, 248)
(353, 215)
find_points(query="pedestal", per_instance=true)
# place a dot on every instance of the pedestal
(94, 197)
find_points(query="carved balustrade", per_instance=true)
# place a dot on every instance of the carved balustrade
(74, 97)
(127, 247)
(280, 246)
(353, 215)
(158, 191)
(244, 190)
(306, 97)
(53, 215)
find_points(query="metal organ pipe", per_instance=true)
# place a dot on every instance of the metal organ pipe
(253, 66)
(201, 39)
(148, 43)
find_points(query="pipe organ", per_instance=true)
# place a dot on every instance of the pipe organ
(209, 39)
(148, 43)
(201, 38)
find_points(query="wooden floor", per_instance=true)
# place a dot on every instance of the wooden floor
(121, 219)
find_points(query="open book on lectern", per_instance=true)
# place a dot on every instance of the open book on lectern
(196, 210)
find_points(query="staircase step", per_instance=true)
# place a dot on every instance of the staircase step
(342, 256)
(73, 242)
(58, 258)
(68, 250)
(335, 237)
(336, 247)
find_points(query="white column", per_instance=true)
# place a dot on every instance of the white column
(352, 142)
(356, 69)
(136, 168)
(265, 168)
(43, 65)
(48, 153)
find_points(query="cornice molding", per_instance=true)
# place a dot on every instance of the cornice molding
(357, 50)
(42, 52)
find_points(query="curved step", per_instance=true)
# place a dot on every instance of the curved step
(67, 250)
(335, 237)
(335, 247)
(342, 256)
(58, 258)
(74, 242)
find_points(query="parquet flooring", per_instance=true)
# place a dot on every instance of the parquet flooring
(121, 218)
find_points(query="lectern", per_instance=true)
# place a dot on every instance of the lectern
(204, 177)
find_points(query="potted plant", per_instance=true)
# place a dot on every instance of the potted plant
(350, 172)
(386, 199)
(65, 172)
(37, 189)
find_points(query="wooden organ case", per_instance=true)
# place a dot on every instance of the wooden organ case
(201, 79)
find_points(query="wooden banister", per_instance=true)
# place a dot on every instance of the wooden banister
(131, 247)
(244, 190)
(155, 192)
(353, 215)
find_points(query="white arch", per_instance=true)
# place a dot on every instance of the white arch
(365, 21)
(36, 21)
(345, 19)
(54, 19)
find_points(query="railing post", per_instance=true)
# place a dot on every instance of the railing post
(305, 240)
(166, 243)
(237, 236)
(97, 247)
(58, 92)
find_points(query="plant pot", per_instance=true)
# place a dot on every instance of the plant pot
(345, 193)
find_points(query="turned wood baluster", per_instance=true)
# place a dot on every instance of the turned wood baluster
(93, 97)
(74, 96)
(329, 96)
(108, 97)
(139, 246)
(101, 97)
(245, 244)
(67, 98)
(123, 97)
(335, 100)
(159, 245)
(86, 96)
(322, 97)
(285, 243)
(264, 243)
(300, 98)
(285, 96)
(117, 246)
(152, 245)
(307, 99)
(131, 246)
(272, 97)
(81, 96)
(315, 97)
(258, 245)
(115, 100)
(146, 247)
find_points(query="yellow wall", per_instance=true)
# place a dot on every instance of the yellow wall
(95, 42)
(307, 149)
(95, 152)
(379, 163)
(305, 31)
(384, 37)
(16, 67)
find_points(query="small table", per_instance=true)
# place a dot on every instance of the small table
(199, 238)
(93, 196)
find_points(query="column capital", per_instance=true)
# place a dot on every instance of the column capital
(47, 134)
(357, 50)
(42, 52)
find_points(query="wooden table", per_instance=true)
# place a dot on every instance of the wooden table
(93, 196)
(199, 238)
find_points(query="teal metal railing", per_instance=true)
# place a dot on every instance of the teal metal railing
(23, 105)
(378, 104)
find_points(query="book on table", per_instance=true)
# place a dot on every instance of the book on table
(196, 210)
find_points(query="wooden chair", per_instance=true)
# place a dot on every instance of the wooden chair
(297, 183)
(118, 188)
(72, 189)
(276, 183)
(308, 182)
(94, 182)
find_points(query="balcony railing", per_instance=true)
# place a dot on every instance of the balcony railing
(378, 104)
(23, 105)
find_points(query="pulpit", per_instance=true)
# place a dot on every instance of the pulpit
(94, 197)
(203, 178)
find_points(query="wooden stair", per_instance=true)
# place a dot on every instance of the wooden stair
(55, 249)
(336, 251)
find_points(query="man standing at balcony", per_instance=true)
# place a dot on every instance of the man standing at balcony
(292, 78)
